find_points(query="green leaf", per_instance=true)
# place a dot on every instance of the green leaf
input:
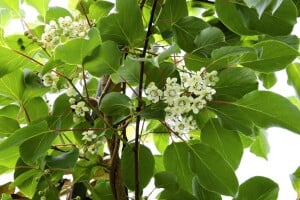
(260, 6)
(26, 178)
(8, 126)
(269, 79)
(166, 180)
(295, 179)
(98, 10)
(186, 29)
(12, 5)
(83, 170)
(208, 39)
(146, 166)
(65, 160)
(252, 108)
(102, 191)
(247, 22)
(61, 114)
(171, 12)
(154, 111)
(201, 193)
(12, 85)
(8, 159)
(11, 61)
(175, 161)
(104, 60)
(129, 72)
(235, 82)
(116, 105)
(23, 134)
(37, 108)
(293, 72)
(257, 188)
(215, 174)
(54, 13)
(124, 27)
(275, 56)
(40, 6)
(227, 143)
(179, 195)
(36, 147)
(260, 147)
(80, 48)
(159, 133)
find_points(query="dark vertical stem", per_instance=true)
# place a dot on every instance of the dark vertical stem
(140, 104)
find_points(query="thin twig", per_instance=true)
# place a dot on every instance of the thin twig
(26, 112)
(84, 82)
(140, 104)
(85, 14)
(28, 57)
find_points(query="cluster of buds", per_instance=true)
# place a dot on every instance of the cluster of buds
(184, 99)
(91, 142)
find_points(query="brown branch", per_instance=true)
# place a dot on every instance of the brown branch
(28, 57)
(26, 112)
(85, 14)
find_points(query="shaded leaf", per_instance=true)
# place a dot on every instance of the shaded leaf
(65, 160)
(269, 79)
(257, 188)
(146, 166)
(225, 142)
(166, 180)
(215, 174)
(201, 193)
(260, 147)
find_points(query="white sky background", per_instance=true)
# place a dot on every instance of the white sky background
(284, 156)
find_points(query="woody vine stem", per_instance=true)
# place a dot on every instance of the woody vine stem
(140, 104)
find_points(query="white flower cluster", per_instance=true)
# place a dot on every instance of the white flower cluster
(66, 28)
(91, 142)
(79, 109)
(184, 99)
(50, 80)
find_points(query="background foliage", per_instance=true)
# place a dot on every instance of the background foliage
(114, 124)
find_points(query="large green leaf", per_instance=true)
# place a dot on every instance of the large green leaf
(235, 82)
(186, 29)
(11, 60)
(177, 195)
(175, 160)
(129, 72)
(215, 174)
(104, 60)
(260, 146)
(8, 126)
(12, 85)
(8, 159)
(246, 21)
(226, 142)
(102, 191)
(146, 166)
(116, 105)
(99, 9)
(79, 47)
(62, 115)
(274, 56)
(65, 160)
(258, 188)
(124, 27)
(40, 6)
(293, 71)
(201, 193)
(166, 180)
(23, 134)
(36, 147)
(209, 39)
(260, 108)
(54, 13)
(172, 11)
(13, 5)
(37, 108)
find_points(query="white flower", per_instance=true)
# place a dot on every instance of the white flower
(183, 103)
(72, 101)
(89, 136)
(198, 104)
(171, 93)
(80, 109)
(50, 79)
(71, 92)
(153, 93)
